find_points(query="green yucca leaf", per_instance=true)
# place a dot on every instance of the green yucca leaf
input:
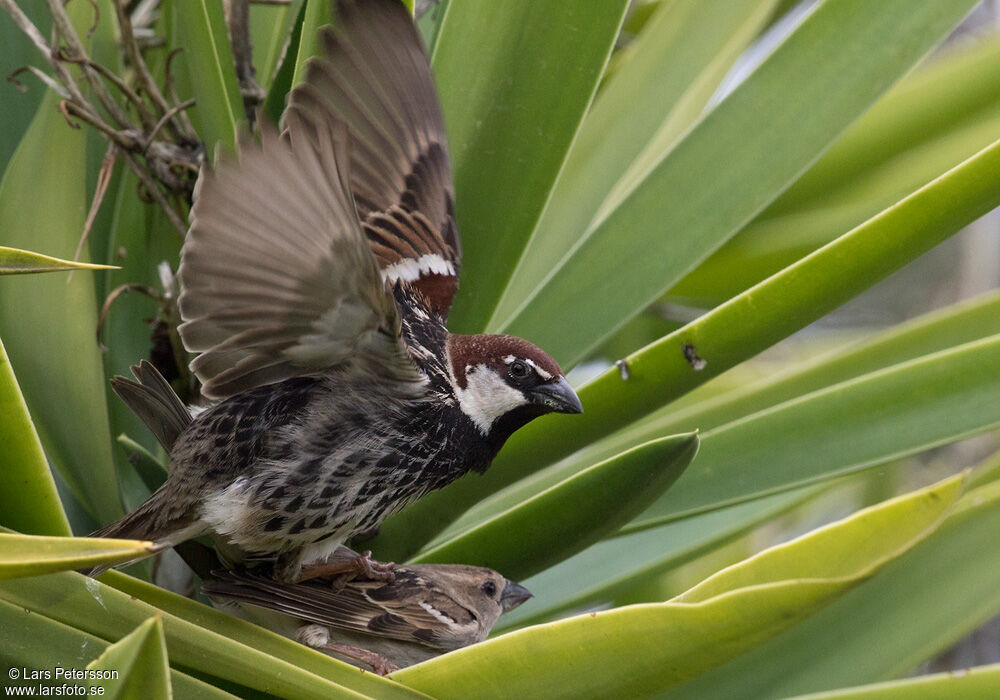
(570, 516)
(715, 621)
(917, 607)
(514, 93)
(140, 662)
(724, 337)
(32, 555)
(28, 498)
(48, 322)
(20, 262)
(735, 161)
(33, 640)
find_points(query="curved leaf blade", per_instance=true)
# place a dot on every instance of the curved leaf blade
(968, 684)
(141, 239)
(724, 337)
(917, 607)
(263, 640)
(98, 609)
(769, 244)
(959, 83)
(692, 633)
(597, 576)
(859, 423)
(665, 78)
(515, 80)
(37, 641)
(29, 501)
(898, 522)
(734, 162)
(572, 515)
(964, 322)
(208, 58)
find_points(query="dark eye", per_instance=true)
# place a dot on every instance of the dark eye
(519, 369)
(489, 588)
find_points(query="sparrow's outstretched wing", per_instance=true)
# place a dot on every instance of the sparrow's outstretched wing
(373, 76)
(410, 609)
(278, 280)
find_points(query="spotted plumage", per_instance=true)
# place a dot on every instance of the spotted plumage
(316, 279)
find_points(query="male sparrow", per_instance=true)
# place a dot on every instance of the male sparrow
(316, 278)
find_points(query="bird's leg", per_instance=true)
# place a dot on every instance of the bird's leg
(381, 665)
(359, 566)
(318, 637)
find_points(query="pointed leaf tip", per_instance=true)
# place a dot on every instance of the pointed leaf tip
(14, 261)
(33, 555)
(136, 665)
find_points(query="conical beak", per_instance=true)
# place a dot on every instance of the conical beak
(513, 595)
(557, 396)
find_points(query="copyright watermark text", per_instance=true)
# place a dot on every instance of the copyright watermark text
(56, 681)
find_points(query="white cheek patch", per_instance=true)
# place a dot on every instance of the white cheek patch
(409, 269)
(486, 397)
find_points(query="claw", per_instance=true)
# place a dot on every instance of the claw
(375, 570)
(381, 665)
(350, 568)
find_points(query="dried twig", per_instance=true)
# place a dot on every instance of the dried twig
(164, 119)
(64, 109)
(64, 28)
(103, 180)
(144, 77)
(168, 86)
(157, 194)
(102, 317)
(31, 31)
(145, 116)
(175, 165)
(239, 35)
(47, 79)
(97, 18)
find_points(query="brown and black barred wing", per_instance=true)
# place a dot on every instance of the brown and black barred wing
(389, 610)
(373, 76)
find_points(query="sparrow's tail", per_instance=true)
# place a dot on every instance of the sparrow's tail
(166, 416)
(154, 401)
(153, 521)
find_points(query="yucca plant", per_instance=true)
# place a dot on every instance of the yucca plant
(600, 168)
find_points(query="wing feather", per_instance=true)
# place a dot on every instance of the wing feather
(374, 78)
(277, 277)
(348, 608)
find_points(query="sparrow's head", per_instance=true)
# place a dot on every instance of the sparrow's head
(502, 382)
(475, 598)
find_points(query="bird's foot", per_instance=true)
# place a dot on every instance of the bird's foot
(381, 665)
(318, 637)
(350, 568)
(375, 570)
